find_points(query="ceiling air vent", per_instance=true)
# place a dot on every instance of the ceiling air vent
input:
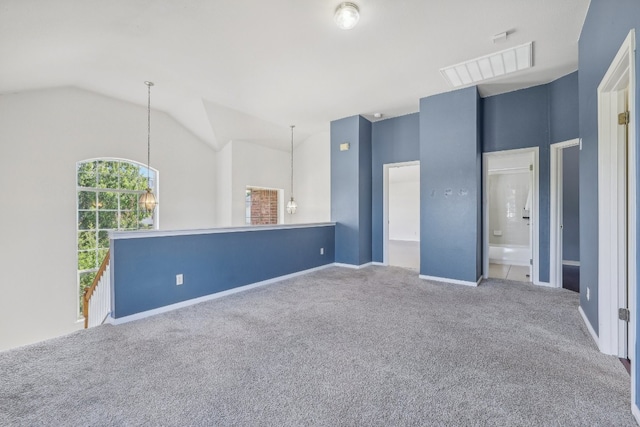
(489, 66)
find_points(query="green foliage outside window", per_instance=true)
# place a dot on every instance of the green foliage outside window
(108, 193)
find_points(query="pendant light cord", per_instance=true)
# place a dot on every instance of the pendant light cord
(292, 126)
(149, 84)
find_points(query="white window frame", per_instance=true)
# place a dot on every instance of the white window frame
(97, 190)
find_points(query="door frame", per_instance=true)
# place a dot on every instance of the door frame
(555, 252)
(621, 74)
(611, 237)
(385, 204)
(535, 210)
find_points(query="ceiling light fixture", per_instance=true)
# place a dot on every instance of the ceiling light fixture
(291, 204)
(347, 15)
(147, 200)
(489, 66)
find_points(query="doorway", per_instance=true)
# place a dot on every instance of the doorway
(510, 206)
(402, 215)
(565, 216)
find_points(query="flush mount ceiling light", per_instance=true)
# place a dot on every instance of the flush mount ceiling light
(490, 66)
(347, 15)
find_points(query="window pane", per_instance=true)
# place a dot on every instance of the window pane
(129, 220)
(86, 220)
(107, 174)
(101, 254)
(145, 182)
(107, 220)
(131, 177)
(142, 215)
(87, 174)
(86, 260)
(129, 201)
(107, 200)
(103, 239)
(86, 200)
(261, 206)
(86, 240)
(85, 279)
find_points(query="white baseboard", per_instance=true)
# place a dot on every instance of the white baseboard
(545, 284)
(635, 412)
(379, 263)
(453, 281)
(572, 263)
(354, 267)
(589, 327)
(509, 262)
(210, 297)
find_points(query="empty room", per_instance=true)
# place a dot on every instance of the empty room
(319, 213)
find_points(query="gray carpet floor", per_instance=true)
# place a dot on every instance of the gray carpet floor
(370, 347)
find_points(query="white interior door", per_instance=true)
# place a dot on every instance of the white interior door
(623, 224)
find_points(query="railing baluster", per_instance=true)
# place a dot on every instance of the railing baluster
(98, 307)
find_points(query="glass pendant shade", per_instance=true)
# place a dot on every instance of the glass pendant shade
(292, 206)
(147, 201)
(347, 16)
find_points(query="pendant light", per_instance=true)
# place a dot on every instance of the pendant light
(147, 200)
(291, 204)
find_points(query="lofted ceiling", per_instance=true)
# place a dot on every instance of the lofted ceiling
(247, 69)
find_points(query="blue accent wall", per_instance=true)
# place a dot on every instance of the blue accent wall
(351, 189)
(450, 202)
(145, 268)
(563, 108)
(571, 203)
(535, 117)
(517, 119)
(364, 183)
(394, 140)
(605, 28)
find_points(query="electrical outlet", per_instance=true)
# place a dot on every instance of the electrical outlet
(588, 292)
(179, 279)
(321, 251)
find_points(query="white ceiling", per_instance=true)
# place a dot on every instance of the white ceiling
(247, 69)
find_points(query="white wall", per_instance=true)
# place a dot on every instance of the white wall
(404, 203)
(42, 136)
(312, 179)
(242, 164)
(224, 165)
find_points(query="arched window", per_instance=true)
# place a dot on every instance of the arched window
(108, 192)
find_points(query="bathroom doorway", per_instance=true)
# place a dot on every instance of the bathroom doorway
(510, 205)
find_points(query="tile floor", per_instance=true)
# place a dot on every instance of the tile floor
(403, 253)
(406, 254)
(509, 272)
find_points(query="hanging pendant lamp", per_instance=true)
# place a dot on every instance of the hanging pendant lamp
(291, 204)
(147, 199)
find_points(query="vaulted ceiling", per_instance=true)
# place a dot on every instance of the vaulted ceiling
(247, 69)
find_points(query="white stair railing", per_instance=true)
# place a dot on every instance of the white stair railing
(97, 298)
